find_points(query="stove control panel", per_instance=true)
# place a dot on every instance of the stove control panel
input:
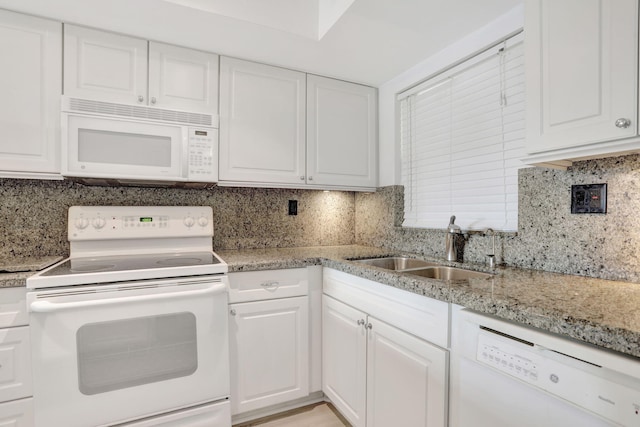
(135, 222)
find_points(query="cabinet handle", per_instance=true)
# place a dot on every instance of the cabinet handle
(302, 178)
(153, 99)
(360, 322)
(368, 326)
(232, 312)
(623, 123)
(310, 178)
(140, 98)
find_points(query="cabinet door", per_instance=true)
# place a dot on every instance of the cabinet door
(269, 347)
(183, 79)
(406, 379)
(15, 363)
(104, 66)
(262, 123)
(31, 85)
(17, 413)
(581, 60)
(341, 133)
(344, 358)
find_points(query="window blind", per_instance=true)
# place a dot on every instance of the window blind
(462, 137)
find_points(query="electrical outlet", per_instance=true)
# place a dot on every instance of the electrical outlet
(293, 207)
(589, 198)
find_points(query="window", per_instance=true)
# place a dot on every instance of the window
(462, 137)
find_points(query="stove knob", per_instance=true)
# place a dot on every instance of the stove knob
(81, 223)
(98, 223)
(189, 221)
(203, 221)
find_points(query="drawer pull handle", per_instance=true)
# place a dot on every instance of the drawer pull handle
(269, 284)
(360, 322)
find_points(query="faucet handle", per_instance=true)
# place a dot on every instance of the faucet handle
(453, 228)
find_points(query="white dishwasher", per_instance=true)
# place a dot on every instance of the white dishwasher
(505, 375)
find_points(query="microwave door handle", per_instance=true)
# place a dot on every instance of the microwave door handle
(186, 152)
(50, 307)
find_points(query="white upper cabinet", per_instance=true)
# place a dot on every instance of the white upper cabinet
(262, 123)
(183, 79)
(282, 128)
(115, 68)
(104, 66)
(31, 85)
(341, 133)
(582, 78)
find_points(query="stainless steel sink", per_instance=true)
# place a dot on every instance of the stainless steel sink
(449, 273)
(396, 263)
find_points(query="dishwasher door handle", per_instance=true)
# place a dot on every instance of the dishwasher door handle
(52, 307)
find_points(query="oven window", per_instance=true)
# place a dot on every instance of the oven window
(127, 353)
(121, 148)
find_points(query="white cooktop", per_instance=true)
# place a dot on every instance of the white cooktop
(120, 243)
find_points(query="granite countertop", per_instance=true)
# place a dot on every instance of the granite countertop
(14, 271)
(605, 313)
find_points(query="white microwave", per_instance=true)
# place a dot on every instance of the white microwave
(107, 144)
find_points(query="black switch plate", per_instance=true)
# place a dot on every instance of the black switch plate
(293, 207)
(589, 198)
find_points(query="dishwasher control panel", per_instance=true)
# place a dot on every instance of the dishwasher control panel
(511, 360)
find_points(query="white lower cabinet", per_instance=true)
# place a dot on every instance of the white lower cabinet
(270, 340)
(406, 379)
(16, 404)
(375, 373)
(344, 359)
(269, 352)
(17, 413)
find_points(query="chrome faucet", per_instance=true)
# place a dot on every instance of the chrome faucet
(451, 244)
(491, 256)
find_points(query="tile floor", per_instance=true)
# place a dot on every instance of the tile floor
(318, 415)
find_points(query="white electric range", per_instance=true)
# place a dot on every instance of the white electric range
(131, 329)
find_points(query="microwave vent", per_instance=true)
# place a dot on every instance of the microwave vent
(139, 112)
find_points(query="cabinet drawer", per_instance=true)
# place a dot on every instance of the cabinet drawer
(269, 284)
(13, 307)
(15, 363)
(18, 413)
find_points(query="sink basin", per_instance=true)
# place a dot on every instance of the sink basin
(396, 263)
(449, 273)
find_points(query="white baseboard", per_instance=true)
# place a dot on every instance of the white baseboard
(276, 409)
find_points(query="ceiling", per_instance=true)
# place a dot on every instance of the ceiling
(370, 41)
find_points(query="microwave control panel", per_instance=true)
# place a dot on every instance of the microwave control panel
(203, 150)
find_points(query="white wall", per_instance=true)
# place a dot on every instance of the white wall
(467, 46)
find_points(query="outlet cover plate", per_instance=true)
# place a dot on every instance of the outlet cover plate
(590, 198)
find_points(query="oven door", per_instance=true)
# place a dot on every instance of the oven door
(119, 352)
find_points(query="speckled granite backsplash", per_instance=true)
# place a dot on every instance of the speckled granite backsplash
(549, 237)
(33, 214)
(33, 219)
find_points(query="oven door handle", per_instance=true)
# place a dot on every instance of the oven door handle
(51, 307)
